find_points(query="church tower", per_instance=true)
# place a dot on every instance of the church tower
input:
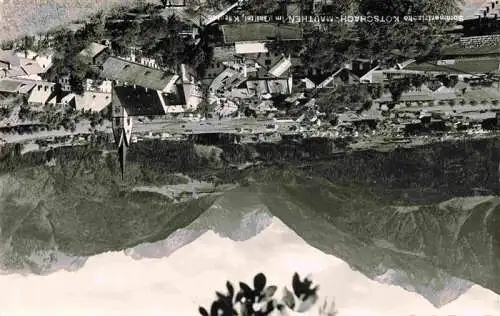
(122, 128)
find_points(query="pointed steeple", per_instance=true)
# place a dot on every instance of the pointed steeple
(122, 130)
(122, 154)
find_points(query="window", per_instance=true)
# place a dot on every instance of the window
(117, 121)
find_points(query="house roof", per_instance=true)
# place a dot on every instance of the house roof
(139, 101)
(281, 67)
(483, 93)
(460, 66)
(344, 74)
(68, 98)
(133, 73)
(93, 50)
(93, 101)
(27, 54)
(15, 86)
(31, 67)
(9, 86)
(10, 57)
(42, 92)
(26, 87)
(458, 49)
(251, 32)
(16, 72)
(250, 48)
(469, 9)
(224, 52)
(226, 79)
(274, 86)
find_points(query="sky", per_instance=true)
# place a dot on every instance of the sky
(115, 284)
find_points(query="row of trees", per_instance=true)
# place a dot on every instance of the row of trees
(335, 43)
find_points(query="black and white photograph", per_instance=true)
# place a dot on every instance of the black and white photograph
(249, 157)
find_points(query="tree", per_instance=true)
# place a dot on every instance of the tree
(414, 39)
(261, 300)
(345, 96)
(327, 50)
(398, 86)
(418, 80)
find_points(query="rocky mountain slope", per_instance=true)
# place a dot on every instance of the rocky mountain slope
(58, 208)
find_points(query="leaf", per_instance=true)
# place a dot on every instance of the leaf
(259, 282)
(214, 310)
(203, 311)
(296, 284)
(307, 303)
(239, 296)
(270, 290)
(288, 298)
(247, 291)
(230, 289)
(220, 296)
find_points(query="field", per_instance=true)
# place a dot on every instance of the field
(28, 17)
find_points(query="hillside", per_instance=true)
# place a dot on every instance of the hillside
(55, 215)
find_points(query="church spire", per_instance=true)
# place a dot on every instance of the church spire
(122, 155)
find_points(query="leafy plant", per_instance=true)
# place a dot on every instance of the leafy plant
(261, 301)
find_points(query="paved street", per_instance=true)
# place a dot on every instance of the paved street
(248, 126)
(211, 126)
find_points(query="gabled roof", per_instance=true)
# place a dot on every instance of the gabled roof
(10, 57)
(16, 72)
(92, 101)
(258, 32)
(344, 74)
(281, 67)
(31, 67)
(460, 66)
(93, 50)
(42, 93)
(139, 101)
(227, 79)
(273, 86)
(250, 48)
(9, 86)
(15, 86)
(68, 98)
(134, 73)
